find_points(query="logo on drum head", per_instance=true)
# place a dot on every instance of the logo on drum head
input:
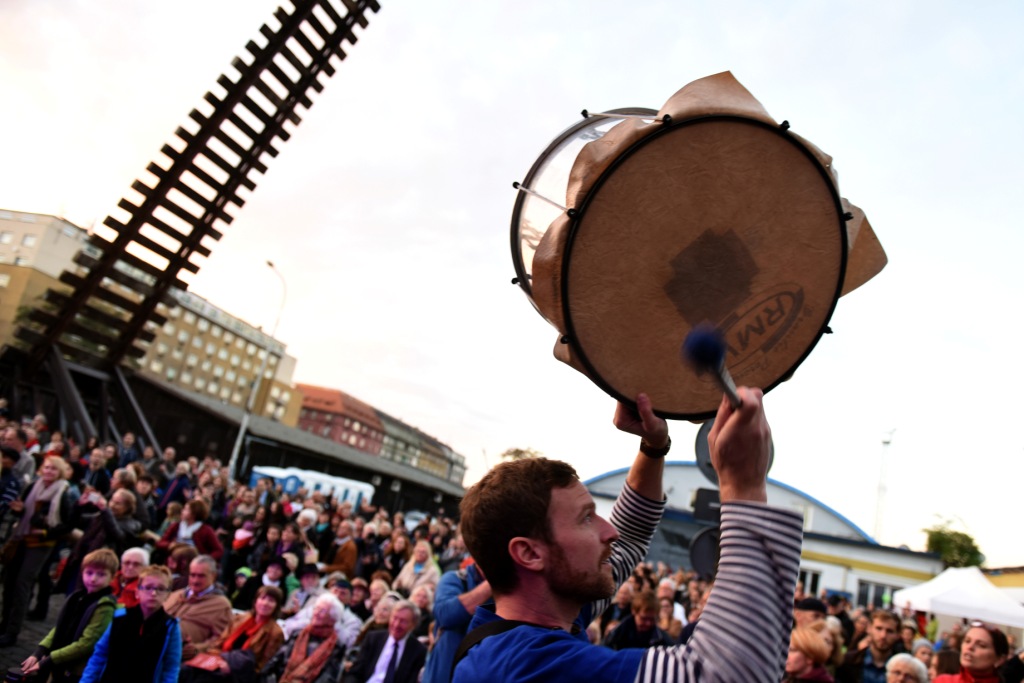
(762, 325)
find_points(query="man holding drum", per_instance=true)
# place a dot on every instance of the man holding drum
(553, 563)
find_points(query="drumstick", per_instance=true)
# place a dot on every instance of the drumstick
(705, 349)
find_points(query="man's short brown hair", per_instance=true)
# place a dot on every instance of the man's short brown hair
(887, 615)
(511, 500)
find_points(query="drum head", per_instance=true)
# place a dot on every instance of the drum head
(719, 219)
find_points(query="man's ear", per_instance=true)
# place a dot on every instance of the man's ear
(528, 553)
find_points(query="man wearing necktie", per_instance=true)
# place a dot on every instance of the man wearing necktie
(391, 656)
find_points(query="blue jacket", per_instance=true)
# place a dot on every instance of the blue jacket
(167, 667)
(451, 621)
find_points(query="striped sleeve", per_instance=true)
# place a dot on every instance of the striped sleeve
(635, 518)
(743, 633)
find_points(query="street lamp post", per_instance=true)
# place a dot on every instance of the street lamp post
(255, 390)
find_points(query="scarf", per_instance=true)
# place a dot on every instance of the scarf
(302, 668)
(41, 493)
(247, 628)
(185, 531)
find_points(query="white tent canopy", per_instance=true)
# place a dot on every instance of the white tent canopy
(962, 593)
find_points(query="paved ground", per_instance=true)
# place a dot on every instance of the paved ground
(31, 634)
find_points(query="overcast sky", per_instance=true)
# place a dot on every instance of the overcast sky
(388, 214)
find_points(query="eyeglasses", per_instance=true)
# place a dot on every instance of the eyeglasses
(155, 590)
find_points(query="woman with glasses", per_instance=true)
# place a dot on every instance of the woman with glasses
(145, 640)
(905, 668)
(983, 651)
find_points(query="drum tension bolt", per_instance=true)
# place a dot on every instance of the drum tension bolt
(585, 114)
(666, 119)
(515, 281)
(784, 125)
(847, 216)
(564, 340)
(515, 184)
(827, 330)
(571, 213)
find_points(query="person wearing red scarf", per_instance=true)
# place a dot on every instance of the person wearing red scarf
(984, 649)
(244, 647)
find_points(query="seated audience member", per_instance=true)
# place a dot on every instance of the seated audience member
(273, 575)
(83, 618)
(391, 654)
(133, 561)
(193, 530)
(309, 589)
(244, 647)
(808, 653)
(348, 625)
(143, 642)
(420, 570)
(315, 653)
(905, 668)
(640, 628)
(423, 598)
(178, 562)
(202, 609)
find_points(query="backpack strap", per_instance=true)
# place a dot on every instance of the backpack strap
(473, 638)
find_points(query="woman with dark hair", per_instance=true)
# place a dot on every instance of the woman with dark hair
(292, 541)
(398, 553)
(983, 651)
(245, 646)
(193, 530)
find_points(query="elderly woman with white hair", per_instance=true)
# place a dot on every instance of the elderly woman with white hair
(314, 654)
(905, 668)
(133, 561)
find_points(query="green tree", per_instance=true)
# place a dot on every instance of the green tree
(520, 453)
(956, 548)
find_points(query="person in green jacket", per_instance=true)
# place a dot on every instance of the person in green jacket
(85, 616)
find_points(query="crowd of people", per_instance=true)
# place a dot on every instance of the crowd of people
(171, 571)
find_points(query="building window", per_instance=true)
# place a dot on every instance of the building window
(218, 371)
(161, 349)
(225, 393)
(21, 261)
(207, 365)
(177, 354)
(230, 375)
(228, 337)
(156, 366)
(175, 312)
(326, 431)
(236, 397)
(216, 332)
(210, 348)
(29, 240)
(197, 342)
(168, 328)
(250, 349)
(275, 391)
(5, 279)
(203, 325)
(199, 383)
(212, 388)
(875, 595)
(191, 360)
(27, 217)
(235, 360)
(247, 366)
(190, 318)
(171, 374)
(222, 354)
(6, 237)
(183, 336)
(186, 377)
(239, 343)
(810, 580)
